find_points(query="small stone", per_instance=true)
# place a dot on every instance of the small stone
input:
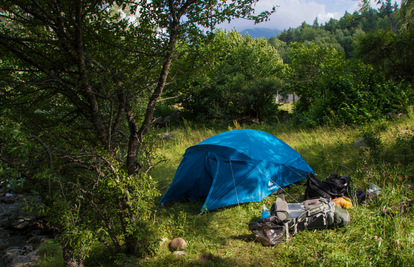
(360, 143)
(163, 241)
(168, 135)
(11, 255)
(179, 253)
(178, 244)
(27, 249)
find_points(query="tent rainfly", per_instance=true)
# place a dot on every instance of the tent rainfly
(235, 167)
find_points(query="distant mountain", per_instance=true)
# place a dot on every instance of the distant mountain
(261, 32)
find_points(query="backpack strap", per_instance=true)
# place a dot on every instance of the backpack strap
(287, 231)
(280, 209)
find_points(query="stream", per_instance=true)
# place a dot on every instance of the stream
(21, 232)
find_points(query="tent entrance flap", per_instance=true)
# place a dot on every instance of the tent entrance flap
(195, 177)
(245, 187)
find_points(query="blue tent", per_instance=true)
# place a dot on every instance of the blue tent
(235, 167)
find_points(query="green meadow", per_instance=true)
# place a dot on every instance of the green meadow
(221, 237)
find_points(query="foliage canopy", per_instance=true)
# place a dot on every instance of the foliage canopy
(79, 84)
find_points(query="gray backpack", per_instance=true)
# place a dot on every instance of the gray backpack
(310, 214)
(289, 218)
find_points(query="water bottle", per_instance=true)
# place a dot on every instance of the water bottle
(373, 190)
(265, 212)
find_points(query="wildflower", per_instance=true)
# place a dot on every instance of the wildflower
(383, 174)
(409, 185)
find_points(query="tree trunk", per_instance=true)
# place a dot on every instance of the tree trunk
(130, 244)
(136, 136)
(69, 258)
(94, 112)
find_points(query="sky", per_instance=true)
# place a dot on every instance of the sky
(291, 13)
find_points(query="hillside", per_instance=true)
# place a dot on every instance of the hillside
(261, 32)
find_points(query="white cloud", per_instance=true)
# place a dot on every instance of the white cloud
(323, 17)
(292, 13)
(289, 14)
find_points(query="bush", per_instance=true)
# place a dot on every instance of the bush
(338, 91)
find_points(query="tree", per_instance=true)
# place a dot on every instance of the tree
(82, 82)
(240, 80)
(281, 47)
(407, 14)
(386, 9)
(339, 91)
(389, 53)
(308, 64)
(315, 23)
(407, 10)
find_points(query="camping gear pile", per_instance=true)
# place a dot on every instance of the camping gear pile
(320, 211)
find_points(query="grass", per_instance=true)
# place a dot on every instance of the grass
(51, 254)
(287, 107)
(222, 238)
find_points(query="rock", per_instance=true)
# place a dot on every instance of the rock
(28, 248)
(21, 231)
(10, 255)
(391, 115)
(19, 257)
(163, 241)
(179, 253)
(23, 221)
(360, 143)
(399, 207)
(37, 240)
(406, 132)
(177, 115)
(159, 122)
(7, 200)
(167, 119)
(178, 244)
(168, 135)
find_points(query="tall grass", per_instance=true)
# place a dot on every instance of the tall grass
(221, 237)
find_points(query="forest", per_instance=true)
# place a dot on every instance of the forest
(86, 88)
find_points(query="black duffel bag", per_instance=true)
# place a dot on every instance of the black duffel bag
(332, 187)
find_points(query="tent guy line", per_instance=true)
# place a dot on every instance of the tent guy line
(279, 185)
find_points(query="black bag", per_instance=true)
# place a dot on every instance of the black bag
(270, 230)
(332, 187)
